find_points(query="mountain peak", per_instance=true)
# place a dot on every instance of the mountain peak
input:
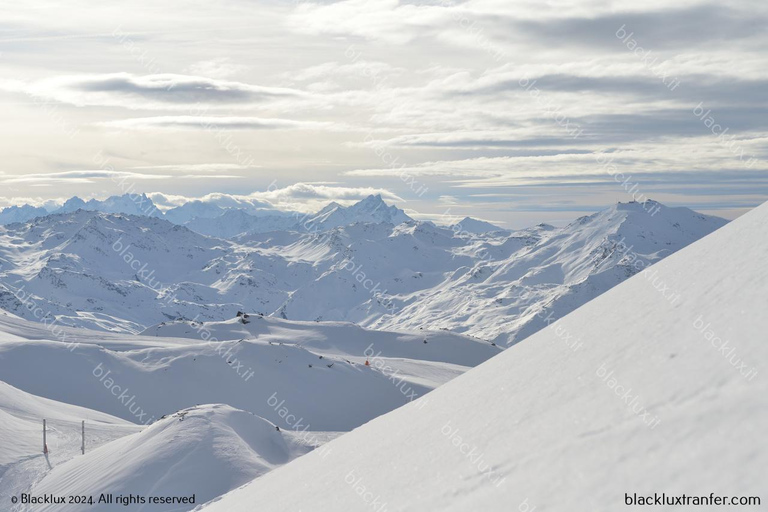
(372, 201)
(470, 225)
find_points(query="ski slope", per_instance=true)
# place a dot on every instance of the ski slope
(648, 403)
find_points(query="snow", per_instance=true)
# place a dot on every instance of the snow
(22, 414)
(123, 273)
(543, 426)
(307, 378)
(192, 209)
(468, 225)
(22, 462)
(22, 213)
(317, 368)
(203, 451)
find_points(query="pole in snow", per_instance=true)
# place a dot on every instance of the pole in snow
(45, 444)
(82, 447)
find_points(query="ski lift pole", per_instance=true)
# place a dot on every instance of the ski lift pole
(82, 446)
(45, 443)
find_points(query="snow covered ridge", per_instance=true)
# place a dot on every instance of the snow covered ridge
(197, 453)
(213, 220)
(125, 273)
(499, 436)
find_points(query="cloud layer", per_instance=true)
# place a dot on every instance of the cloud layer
(497, 107)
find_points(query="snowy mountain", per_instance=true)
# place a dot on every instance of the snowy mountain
(470, 225)
(127, 273)
(236, 222)
(372, 210)
(223, 222)
(650, 402)
(132, 204)
(192, 209)
(22, 213)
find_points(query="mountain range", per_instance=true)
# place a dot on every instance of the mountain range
(213, 220)
(368, 263)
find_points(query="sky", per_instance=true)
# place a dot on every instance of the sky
(515, 112)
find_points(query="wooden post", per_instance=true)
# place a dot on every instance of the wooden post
(82, 447)
(45, 443)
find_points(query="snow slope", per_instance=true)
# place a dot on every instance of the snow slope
(340, 339)
(317, 369)
(22, 462)
(21, 414)
(650, 401)
(202, 452)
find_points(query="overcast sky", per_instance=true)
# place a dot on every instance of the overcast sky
(512, 111)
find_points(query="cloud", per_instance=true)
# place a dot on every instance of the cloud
(387, 20)
(221, 123)
(301, 197)
(222, 67)
(87, 176)
(697, 158)
(157, 91)
(654, 28)
(212, 167)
